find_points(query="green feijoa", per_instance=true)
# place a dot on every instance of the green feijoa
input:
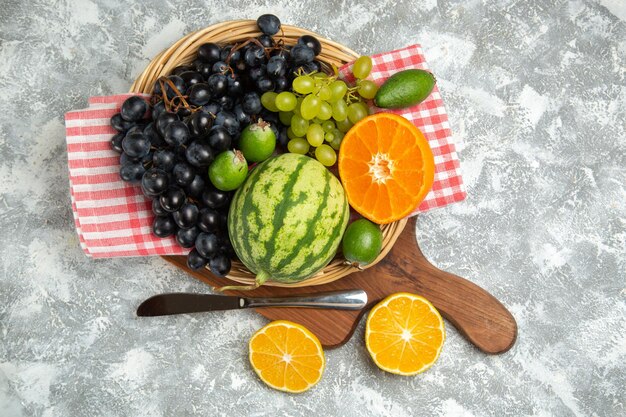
(228, 171)
(362, 242)
(405, 89)
(257, 141)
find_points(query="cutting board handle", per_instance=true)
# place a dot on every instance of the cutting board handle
(478, 315)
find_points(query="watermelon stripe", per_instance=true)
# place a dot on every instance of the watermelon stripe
(310, 233)
(233, 223)
(335, 240)
(312, 186)
(242, 211)
(337, 235)
(281, 210)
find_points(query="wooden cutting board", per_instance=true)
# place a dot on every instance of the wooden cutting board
(476, 314)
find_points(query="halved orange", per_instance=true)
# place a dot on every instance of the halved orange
(404, 334)
(386, 167)
(287, 356)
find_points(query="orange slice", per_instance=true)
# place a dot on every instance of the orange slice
(287, 356)
(386, 167)
(404, 334)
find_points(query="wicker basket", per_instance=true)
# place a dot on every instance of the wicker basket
(183, 52)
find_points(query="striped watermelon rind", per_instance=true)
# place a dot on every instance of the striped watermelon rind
(287, 219)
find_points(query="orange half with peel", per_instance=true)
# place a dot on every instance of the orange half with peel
(386, 167)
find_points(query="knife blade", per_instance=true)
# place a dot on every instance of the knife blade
(182, 303)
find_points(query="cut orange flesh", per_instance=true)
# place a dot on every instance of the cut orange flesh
(386, 167)
(404, 334)
(287, 356)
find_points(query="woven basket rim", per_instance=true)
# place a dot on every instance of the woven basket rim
(333, 53)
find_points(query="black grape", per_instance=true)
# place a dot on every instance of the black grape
(163, 226)
(134, 109)
(269, 24)
(195, 261)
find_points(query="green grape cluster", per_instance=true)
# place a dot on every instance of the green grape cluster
(320, 109)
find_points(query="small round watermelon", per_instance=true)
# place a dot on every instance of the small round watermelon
(287, 219)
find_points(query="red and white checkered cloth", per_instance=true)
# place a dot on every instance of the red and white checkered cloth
(113, 218)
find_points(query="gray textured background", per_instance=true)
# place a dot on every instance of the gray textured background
(536, 95)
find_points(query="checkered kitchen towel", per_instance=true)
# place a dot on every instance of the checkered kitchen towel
(114, 219)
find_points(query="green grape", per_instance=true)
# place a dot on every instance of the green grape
(326, 111)
(319, 76)
(286, 101)
(338, 134)
(315, 135)
(336, 143)
(298, 145)
(310, 107)
(285, 117)
(362, 67)
(303, 84)
(298, 104)
(268, 100)
(326, 155)
(340, 110)
(342, 125)
(299, 125)
(367, 89)
(338, 89)
(328, 126)
(356, 112)
(324, 93)
(329, 137)
(290, 133)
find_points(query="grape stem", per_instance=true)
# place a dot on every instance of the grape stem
(352, 95)
(229, 69)
(170, 104)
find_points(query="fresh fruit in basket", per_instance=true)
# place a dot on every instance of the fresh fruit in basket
(199, 114)
(185, 147)
(287, 220)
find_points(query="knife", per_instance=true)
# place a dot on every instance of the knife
(182, 303)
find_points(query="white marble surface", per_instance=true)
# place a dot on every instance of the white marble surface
(536, 93)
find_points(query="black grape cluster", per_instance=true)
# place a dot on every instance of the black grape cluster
(197, 112)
